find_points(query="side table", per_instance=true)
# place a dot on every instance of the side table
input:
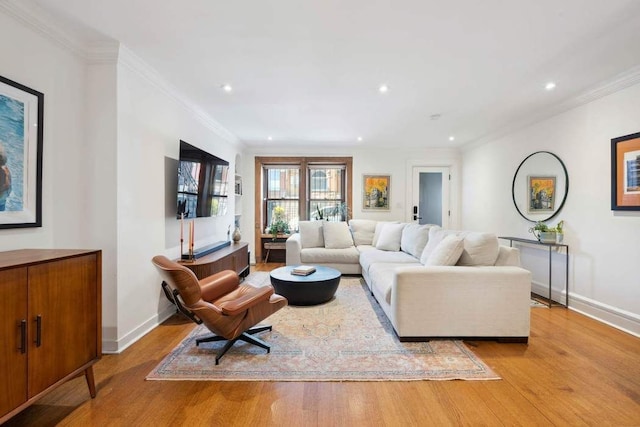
(550, 246)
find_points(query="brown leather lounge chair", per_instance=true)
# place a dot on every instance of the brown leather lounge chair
(226, 307)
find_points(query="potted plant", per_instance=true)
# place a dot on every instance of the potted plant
(543, 232)
(559, 231)
(279, 224)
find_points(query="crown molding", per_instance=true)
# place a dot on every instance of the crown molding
(134, 63)
(41, 22)
(103, 53)
(619, 82)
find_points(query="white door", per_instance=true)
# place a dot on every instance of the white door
(430, 198)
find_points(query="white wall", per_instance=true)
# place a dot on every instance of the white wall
(151, 121)
(111, 137)
(604, 246)
(397, 163)
(33, 60)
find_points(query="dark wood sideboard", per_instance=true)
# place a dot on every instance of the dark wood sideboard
(50, 322)
(233, 257)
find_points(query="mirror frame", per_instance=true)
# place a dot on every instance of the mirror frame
(566, 187)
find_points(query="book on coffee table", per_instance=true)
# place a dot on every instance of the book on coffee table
(303, 270)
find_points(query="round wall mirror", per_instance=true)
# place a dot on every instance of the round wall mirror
(540, 186)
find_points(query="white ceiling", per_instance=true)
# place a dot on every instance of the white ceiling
(308, 72)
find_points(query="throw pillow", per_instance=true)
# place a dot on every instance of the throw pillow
(390, 237)
(447, 252)
(436, 234)
(479, 249)
(363, 231)
(376, 233)
(311, 234)
(414, 238)
(336, 235)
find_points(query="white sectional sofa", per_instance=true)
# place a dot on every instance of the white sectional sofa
(430, 282)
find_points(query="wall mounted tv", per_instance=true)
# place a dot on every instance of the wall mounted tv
(202, 183)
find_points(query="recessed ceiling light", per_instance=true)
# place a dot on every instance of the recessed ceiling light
(226, 87)
(359, 139)
(270, 138)
(383, 89)
(452, 138)
(550, 86)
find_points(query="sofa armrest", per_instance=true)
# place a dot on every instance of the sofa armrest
(461, 301)
(294, 246)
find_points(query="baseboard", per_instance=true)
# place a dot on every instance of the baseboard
(612, 316)
(118, 346)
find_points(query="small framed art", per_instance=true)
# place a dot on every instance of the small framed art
(542, 193)
(21, 131)
(625, 173)
(376, 192)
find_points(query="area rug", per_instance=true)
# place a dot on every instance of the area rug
(346, 339)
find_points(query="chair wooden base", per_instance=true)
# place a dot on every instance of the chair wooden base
(246, 336)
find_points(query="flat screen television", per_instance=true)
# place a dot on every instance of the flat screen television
(202, 183)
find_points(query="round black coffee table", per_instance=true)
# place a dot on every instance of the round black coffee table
(316, 288)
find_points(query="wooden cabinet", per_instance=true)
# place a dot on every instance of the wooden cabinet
(50, 322)
(233, 257)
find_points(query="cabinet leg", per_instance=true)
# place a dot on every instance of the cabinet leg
(88, 374)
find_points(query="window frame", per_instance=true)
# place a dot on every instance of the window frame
(303, 200)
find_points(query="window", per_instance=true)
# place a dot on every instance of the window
(327, 192)
(304, 187)
(282, 189)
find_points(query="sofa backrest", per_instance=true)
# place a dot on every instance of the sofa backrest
(362, 231)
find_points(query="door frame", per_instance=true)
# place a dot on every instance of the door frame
(446, 190)
(454, 187)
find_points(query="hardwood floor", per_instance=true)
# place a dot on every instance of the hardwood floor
(575, 371)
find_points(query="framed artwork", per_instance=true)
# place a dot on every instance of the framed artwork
(375, 192)
(625, 173)
(21, 131)
(541, 193)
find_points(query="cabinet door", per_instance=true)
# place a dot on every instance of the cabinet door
(13, 360)
(241, 259)
(63, 296)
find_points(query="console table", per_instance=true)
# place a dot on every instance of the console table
(233, 257)
(551, 246)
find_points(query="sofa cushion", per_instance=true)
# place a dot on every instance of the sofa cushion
(447, 252)
(329, 256)
(436, 234)
(390, 236)
(414, 238)
(479, 249)
(376, 256)
(376, 233)
(363, 231)
(336, 235)
(311, 235)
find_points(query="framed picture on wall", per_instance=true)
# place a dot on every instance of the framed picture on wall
(376, 192)
(21, 131)
(541, 193)
(625, 173)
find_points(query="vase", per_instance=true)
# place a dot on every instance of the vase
(236, 235)
(547, 236)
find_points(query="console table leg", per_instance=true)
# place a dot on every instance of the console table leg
(550, 277)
